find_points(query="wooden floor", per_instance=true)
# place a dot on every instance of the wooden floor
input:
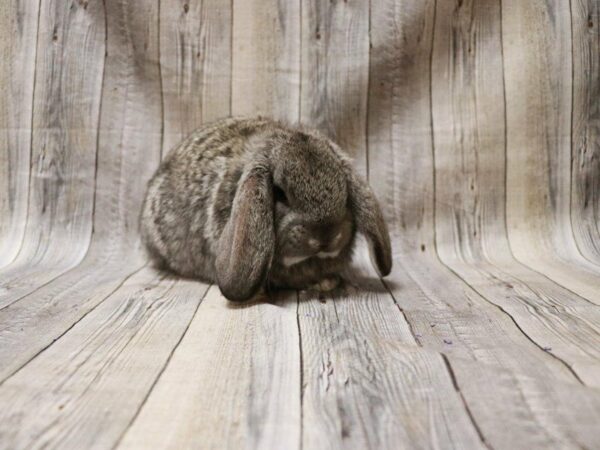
(440, 355)
(476, 122)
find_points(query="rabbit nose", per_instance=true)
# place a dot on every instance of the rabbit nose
(314, 244)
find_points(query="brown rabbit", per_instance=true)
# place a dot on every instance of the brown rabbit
(250, 203)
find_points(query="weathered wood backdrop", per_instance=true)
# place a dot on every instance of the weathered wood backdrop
(478, 125)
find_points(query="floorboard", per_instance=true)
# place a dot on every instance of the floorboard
(366, 382)
(233, 381)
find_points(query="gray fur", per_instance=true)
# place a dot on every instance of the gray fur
(251, 203)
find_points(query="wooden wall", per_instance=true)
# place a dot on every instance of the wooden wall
(477, 122)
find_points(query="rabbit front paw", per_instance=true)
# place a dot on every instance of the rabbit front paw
(327, 284)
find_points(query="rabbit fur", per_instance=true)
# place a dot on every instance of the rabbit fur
(253, 203)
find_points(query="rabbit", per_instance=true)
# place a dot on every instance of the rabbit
(252, 204)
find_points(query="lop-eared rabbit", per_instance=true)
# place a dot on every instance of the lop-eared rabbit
(253, 203)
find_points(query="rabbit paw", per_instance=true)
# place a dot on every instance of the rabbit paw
(327, 284)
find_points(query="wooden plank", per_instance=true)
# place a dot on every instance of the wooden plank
(470, 196)
(266, 58)
(195, 47)
(335, 72)
(469, 130)
(233, 382)
(538, 36)
(65, 125)
(585, 215)
(18, 34)
(399, 124)
(130, 133)
(79, 392)
(366, 384)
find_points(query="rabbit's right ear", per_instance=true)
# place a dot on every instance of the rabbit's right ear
(246, 246)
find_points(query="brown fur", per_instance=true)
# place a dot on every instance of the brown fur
(240, 201)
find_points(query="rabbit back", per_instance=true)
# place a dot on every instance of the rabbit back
(189, 198)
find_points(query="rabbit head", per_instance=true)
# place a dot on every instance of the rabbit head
(298, 199)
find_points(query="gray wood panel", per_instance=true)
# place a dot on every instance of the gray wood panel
(585, 176)
(66, 108)
(477, 125)
(195, 65)
(17, 78)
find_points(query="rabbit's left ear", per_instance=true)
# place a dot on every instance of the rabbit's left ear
(246, 246)
(370, 222)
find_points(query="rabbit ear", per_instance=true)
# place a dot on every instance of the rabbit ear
(370, 223)
(246, 246)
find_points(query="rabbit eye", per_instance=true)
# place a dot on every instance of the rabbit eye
(279, 195)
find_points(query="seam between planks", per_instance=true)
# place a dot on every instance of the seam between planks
(368, 96)
(162, 370)
(433, 169)
(300, 74)
(162, 92)
(302, 388)
(72, 325)
(520, 280)
(572, 139)
(410, 326)
(464, 401)
(96, 156)
(231, 58)
(63, 274)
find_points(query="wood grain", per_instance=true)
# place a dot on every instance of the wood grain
(17, 78)
(400, 138)
(335, 73)
(131, 126)
(585, 176)
(464, 219)
(266, 58)
(472, 332)
(195, 64)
